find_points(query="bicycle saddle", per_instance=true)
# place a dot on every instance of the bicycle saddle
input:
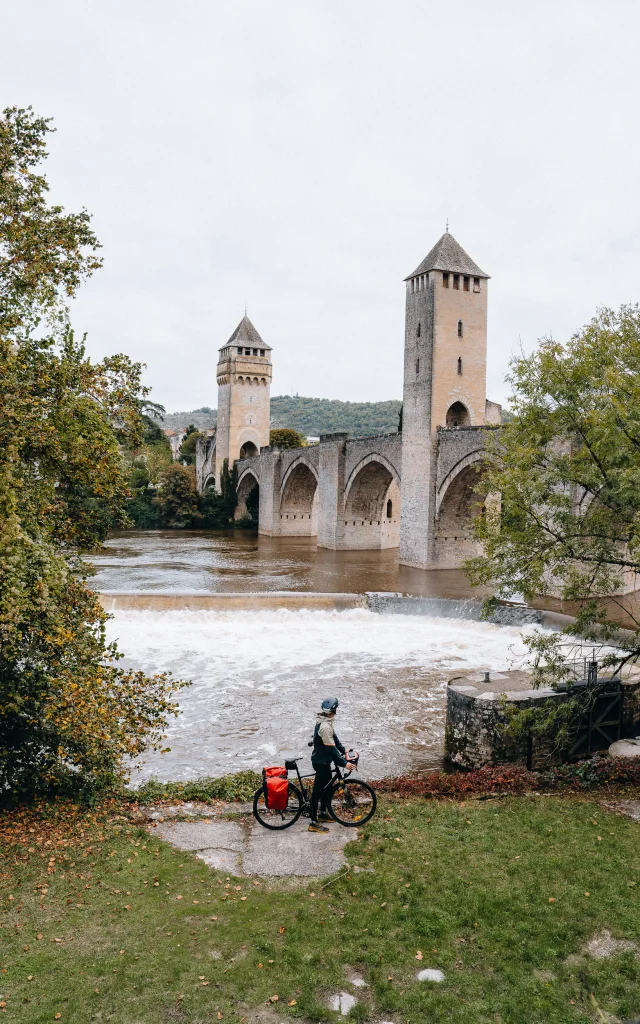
(290, 763)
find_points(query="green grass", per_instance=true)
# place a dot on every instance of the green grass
(469, 885)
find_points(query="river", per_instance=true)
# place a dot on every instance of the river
(258, 676)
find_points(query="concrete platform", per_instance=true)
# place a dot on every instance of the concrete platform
(246, 848)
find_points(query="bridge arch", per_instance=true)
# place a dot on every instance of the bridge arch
(299, 500)
(461, 497)
(248, 493)
(372, 504)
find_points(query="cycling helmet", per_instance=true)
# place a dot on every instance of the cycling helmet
(330, 704)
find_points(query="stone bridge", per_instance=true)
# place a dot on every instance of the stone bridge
(347, 492)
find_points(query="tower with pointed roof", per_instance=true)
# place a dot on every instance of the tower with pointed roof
(244, 384)
(445, 360)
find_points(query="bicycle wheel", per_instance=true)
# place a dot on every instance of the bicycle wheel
(352, 802)
(278, 819)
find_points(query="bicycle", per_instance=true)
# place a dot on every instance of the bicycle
(350, 802)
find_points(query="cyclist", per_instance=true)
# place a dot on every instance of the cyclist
(327, 750)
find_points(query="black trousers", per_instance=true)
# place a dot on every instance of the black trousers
(322, 779)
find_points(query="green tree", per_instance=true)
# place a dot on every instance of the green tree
(567, 467)
(188, 446)
(285, 437)
(178, 499)
(69, 716)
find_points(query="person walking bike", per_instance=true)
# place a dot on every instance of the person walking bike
(327, 751)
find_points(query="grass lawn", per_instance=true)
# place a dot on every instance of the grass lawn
(101, 922)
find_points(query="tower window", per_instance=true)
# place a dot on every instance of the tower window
(417, 366)
(239, 351)
(459, 328)
(255, 352)
(418, 331)
(459, 365)
(445, 280)
(465, 284)
(476, 284)
(389, 509)
(261, 351)
(456, 282)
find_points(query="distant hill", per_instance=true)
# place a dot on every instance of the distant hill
(314, 416)
(310, 416)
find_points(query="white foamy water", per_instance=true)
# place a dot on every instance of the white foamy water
(258, 678)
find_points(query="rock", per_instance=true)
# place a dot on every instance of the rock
(625, 748)
(358, 982)
(342, 1002)
(430, 974)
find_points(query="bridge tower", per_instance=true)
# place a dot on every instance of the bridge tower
(244, 385)
(445, 361)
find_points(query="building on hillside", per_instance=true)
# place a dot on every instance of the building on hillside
(175, 437)
(416, 489)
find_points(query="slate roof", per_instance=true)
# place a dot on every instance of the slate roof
(447, 254)
(246, 334)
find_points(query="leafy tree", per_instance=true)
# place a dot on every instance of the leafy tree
(69, 716)
(188, 446)
(229, 489)
(285, 437)
(178, 499)
(567, 467)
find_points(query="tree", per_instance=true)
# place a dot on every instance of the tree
(178, 499)
(567, 467)
(188, 447)
(285, 437)
(69, 716)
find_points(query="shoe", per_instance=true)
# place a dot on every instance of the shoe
(325, 817)
(315, 826)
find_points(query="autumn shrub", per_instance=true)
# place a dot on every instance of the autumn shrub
(238, 786)
(595, 773)
(69, 716)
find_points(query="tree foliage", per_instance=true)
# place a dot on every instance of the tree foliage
(285, 437)
(567, 468)
(188, 446)
(69, 715)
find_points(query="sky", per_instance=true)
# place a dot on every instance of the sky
(303, 157)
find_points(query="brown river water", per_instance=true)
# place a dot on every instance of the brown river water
(258, 675)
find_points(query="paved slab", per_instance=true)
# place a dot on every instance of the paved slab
(203, 835)
(249, 849)
(296, 851)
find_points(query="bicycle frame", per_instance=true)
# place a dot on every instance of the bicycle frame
(336, 776)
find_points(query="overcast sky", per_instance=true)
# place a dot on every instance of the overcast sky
(304, 156)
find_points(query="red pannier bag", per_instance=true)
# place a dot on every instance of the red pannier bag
(276, 787)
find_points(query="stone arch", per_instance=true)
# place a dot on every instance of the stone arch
(249, 450)
(209, 481)
(458, 414)
(299, 500)
(460, 498)
(248, 500)
(372, 484)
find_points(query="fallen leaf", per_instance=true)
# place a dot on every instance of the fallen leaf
(178, 897)
(242, 898)
(291, 1002)
(552, 899)
(274, 999)
(259, 965)
(96, 990)
(196, 901)
(39, 935)
(57, 1016)
(201, 977)
(30, 977)
(587, 893)
(213, 918)
(282, 930)
(205, 982)
(419, 955)
(26, 949)
(219, 1015)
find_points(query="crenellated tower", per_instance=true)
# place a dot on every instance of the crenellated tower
(244, 386)
(445, 379)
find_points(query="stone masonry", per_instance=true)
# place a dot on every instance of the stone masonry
(417, 489)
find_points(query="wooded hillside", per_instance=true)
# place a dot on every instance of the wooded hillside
(311, 416)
